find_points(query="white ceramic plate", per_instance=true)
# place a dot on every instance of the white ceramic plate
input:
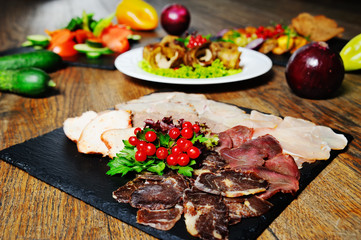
(254, 64)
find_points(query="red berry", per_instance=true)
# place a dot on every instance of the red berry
(176, 150)
(181, 141)
(186, 145)
(183, 159)
(133, 140)
(150, 136)
(187, 125)
(193, 152)
(140, 156)
(162, 153)
(196, 128)
(174, 133)
(172, 160)
(141, 145)
(138, 129)
(150, 149)
(187, 133)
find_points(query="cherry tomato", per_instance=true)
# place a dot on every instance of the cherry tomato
(162, 153)
(138, 129)
(193, 152)
(65, 49)
(174, 133)
(186, 145)
(187, 133)
(183, 159)
(172, 159)
(150, 149)
(196, 128)
(133, 140)
(141, 145)
(176, 150)
(150, 136)
(187, 125)
(140, 156)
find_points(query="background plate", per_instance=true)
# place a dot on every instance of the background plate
(254, 64)
(54, 159)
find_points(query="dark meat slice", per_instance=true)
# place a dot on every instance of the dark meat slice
(212, 163)
(124, 193)
(159, 195)
(230, 183)
(244, 207)
(163, 219)
(252, 153)
(206, 215)
(234, 137)
(277, 182)
(284, 164)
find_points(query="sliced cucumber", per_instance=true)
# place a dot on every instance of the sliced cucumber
(93, 43)
(92, 51)
(134, 37)
(39, 40)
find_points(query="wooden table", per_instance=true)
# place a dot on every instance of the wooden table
(329, 207)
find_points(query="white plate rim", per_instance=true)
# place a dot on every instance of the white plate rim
(253, 62)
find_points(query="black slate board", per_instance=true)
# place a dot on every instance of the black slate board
(103, 62)
(54, 159)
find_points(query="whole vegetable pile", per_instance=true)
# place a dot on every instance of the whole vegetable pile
(86, 35)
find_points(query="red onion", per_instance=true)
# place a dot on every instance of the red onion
(315, 71)
(175, 19)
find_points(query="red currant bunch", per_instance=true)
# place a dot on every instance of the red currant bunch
(195, 41)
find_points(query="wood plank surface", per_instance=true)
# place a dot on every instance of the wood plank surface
(329, 208)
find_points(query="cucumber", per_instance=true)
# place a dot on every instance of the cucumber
(85, 48)
(43, 59)
(94, 44)
(26, 81)
(39, 40)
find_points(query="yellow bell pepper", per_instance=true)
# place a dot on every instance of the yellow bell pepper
(351, 54)
(137, 14)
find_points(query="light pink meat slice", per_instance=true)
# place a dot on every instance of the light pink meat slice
(90, 139)
(74, 126)
(113, 139)
(163, 219)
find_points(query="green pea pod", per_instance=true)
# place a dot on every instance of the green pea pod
(351, 54)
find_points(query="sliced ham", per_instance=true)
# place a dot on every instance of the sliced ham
(90, 139)
(74, 126)
(113, 139)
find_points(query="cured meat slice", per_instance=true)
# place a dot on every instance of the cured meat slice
(159, 195)
(244, 207)
(163, 219)
(212, 163)
(124, 193)
(284, 164)
(206, 215)
(113, 139)
(252, 153)
(74, 126)
(234, 137)
(277, 182)
(90, 138)
(230, 183)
